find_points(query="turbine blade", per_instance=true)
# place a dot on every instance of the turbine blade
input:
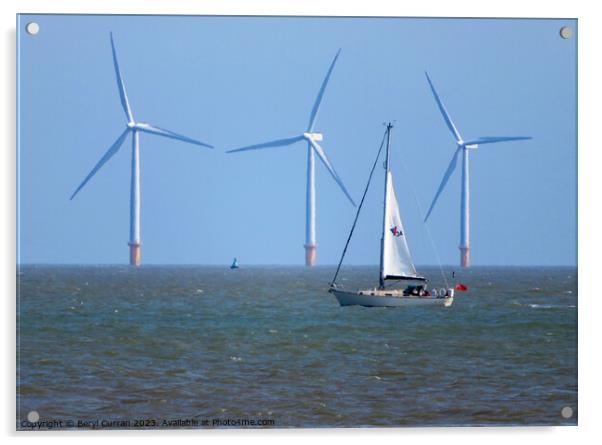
(450, 169)
(108, 155)
(322, 155)
(122, 94)
(168, 134)
(276, 143)
(494, 139)
(316, 108)
(443, 111)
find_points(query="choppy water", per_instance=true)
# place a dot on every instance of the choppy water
(111, 342)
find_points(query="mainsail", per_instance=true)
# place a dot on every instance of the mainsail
(396, 259)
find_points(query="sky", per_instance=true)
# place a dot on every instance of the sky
(235, 81)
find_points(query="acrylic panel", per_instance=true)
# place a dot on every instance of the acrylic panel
(295, 222)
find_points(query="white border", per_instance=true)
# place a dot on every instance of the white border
(590, 78)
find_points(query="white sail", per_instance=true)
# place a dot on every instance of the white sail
(397, 261)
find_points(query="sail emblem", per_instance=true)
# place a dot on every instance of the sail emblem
(396, 231)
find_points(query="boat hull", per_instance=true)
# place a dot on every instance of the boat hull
(379, 299)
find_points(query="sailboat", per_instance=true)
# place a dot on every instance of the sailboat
(234, 264)
(395, 259)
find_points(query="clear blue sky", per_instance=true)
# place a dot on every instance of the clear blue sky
(240, 80)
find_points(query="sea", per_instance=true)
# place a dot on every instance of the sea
(269, 347)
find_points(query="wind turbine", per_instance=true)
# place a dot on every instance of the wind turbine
(313, 148)
(134, 128)
(464, 147)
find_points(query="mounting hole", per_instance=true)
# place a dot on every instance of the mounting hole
(566, 32)
(33, 416)
(567, 412)
(32, 28)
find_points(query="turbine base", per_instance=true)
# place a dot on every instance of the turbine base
(465, 256)
(134, 254)
(310, 254)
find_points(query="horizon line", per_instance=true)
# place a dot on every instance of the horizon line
(286, 265)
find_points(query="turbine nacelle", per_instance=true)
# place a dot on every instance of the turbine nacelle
(132, 124)
(468, 145)
(316, 137)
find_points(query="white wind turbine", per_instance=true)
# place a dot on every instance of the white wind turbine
(464, 147)
(134, 128)
(313, 148)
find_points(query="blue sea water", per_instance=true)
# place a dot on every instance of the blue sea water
(195, 342)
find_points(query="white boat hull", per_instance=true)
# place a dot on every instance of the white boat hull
(378, 298)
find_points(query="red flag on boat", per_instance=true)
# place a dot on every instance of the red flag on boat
(461, 287)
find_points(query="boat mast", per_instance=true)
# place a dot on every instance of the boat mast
(382, 240)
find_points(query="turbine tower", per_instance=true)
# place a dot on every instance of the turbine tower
(134, 128)
(313, 149)
(464, 147)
